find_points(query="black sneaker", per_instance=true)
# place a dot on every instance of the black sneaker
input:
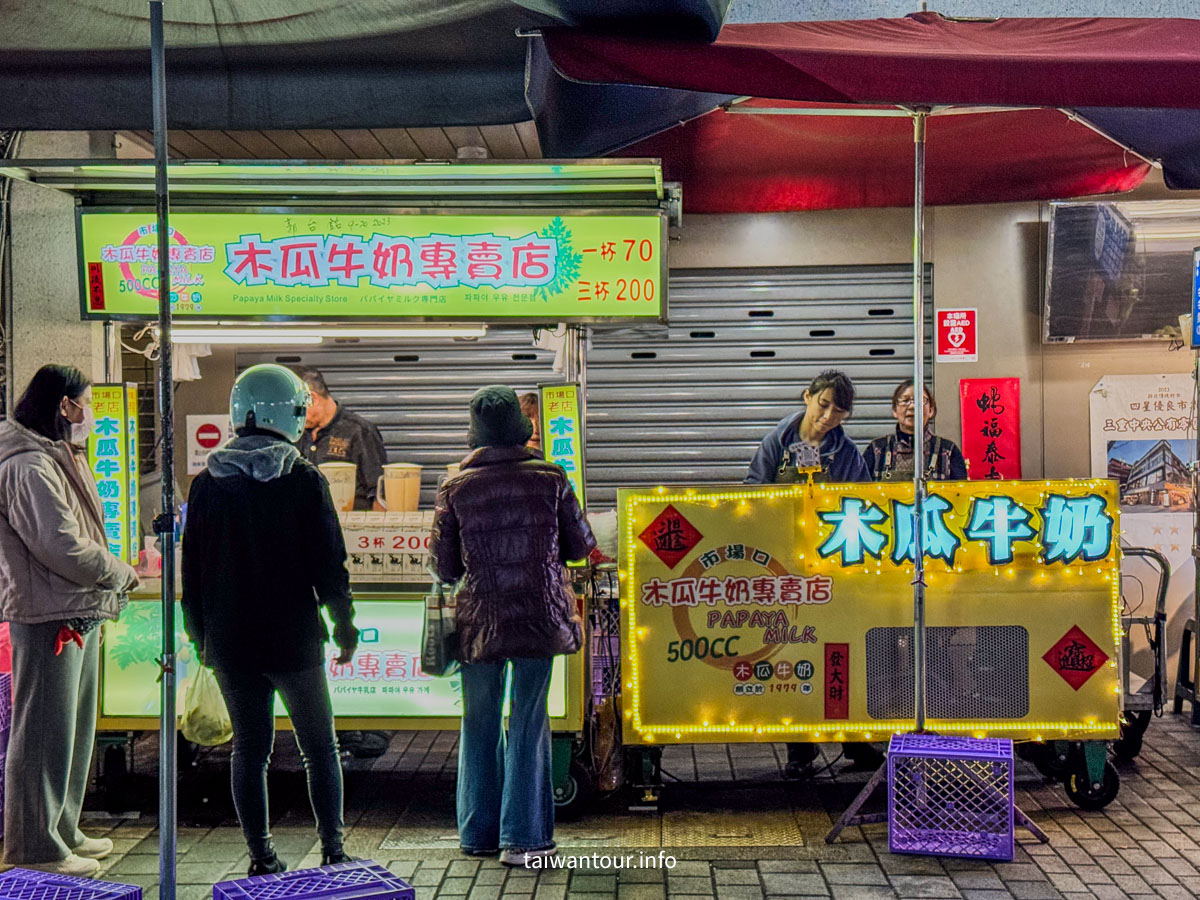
(863, 756)
(270, 865)
(800, 759)
(370, 745)
(333, 859)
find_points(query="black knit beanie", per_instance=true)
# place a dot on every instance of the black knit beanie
(497, 420)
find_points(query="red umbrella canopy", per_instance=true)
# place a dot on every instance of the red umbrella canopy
(923, 58)
(732, 162)
(757, 163)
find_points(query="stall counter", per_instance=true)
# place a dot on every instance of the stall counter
(383, 687)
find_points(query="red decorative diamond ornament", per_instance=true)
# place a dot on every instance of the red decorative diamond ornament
(670, 536)
(1075, 657)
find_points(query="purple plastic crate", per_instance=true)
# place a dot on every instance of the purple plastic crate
(950, 796)
(3, 762)
(360, 879)
(26, 884)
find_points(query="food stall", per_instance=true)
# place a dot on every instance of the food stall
(787, 610)
(365, 251)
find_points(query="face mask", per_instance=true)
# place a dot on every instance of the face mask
(81, 431)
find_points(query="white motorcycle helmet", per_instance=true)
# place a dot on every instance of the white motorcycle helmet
(271, 398)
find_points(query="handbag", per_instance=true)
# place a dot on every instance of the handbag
(205, 717)
(439, 638)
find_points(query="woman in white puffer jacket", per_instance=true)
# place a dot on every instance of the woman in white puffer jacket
(58, 582)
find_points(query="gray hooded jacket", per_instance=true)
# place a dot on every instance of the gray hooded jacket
(262, 551)
(54, 559)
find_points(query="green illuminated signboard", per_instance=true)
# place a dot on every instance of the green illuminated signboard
(383, 680)
(562, 431)
(113, 460)
(363, 265)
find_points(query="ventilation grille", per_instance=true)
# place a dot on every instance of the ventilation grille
(971, 673)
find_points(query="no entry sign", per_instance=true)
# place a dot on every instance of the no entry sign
(204, 434)
(957, 339)
(208, 435)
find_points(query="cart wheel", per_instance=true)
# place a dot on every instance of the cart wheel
(574, 795)
(1129, 744)
(1093, 796)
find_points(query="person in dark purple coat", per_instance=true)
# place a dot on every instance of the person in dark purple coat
(504, 528)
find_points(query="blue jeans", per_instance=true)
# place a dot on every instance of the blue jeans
(505, 795)
(250, 698)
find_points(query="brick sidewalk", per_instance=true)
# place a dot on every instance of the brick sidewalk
(749, 835)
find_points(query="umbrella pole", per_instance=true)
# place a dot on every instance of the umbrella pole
(918, 274)
(164, 524)
(852, 815)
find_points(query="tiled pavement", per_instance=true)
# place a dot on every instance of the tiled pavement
(400, 812)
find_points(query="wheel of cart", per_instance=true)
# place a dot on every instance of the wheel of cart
(1083, 767)
(1141, 701)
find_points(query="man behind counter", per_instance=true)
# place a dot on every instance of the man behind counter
(333, 433)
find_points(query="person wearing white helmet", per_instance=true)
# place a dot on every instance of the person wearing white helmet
(262, 551)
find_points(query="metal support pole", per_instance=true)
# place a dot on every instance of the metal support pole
(919, 415)
(112, 352)
(577, 372)
(1194, 663)
(164, 524)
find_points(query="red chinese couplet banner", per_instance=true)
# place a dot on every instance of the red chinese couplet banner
(991, 427)
(837, 681)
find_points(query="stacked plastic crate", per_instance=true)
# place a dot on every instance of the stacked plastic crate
(606, 632)
(5, 727)
(26, 884)
(362, 879)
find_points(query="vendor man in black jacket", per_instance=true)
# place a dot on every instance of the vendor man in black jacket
(333, 433)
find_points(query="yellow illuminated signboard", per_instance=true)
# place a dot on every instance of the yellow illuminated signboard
(787, 611)
(371, 264)
(562, 432)
(113, 460)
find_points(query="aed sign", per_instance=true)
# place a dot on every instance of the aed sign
(204, 434)
(370, 264)
(112, 451)
(957, 338)
(787, 610)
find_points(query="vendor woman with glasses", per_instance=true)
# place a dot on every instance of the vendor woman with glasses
(890, 458)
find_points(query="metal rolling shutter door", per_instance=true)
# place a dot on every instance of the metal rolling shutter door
(416, 392)
(690, 403)
(684, 403)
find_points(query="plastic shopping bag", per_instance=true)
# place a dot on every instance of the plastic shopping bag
(439, 638)
(205, 718)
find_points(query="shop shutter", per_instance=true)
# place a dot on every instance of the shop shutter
(416, 392)
(690, 403)
(687, 402)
